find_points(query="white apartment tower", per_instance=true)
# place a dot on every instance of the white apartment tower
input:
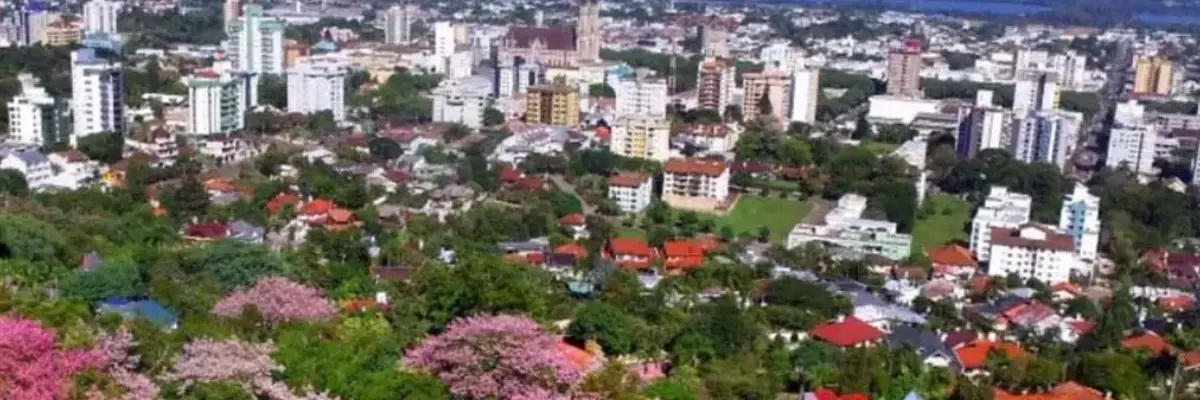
(97, 95)
(805, 88)
(1033, 251)
(1035, 90)
(445, 38)
(316, 84)
(1070, 67)
(100, 16)
(1001, 209)
(642, 136)
(631, 190)
(36, 118)
(1080, 218)
(641, 94)
(256, 42)
(780, 55)
(398, 23)
(1047, 137)
(217, 103)
(982, 126)
(1132, 147)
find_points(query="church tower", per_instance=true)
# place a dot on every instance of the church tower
(587, 31)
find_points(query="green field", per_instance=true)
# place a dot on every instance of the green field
(753, 211)
(947, 221)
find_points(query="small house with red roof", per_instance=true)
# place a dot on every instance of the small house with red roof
(576, 224)
(631, 253)
(847, 332)
(683, 255)
(205, 232)
(281, 202)
(1147, 341)
(952, 260)
(974, 355)
(1065, 291)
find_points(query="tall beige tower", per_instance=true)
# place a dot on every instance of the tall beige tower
(587, 32)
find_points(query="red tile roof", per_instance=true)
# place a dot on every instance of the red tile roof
(1066, 287)
(1082, 327)
(1012, 237)
(952, 255)
(628, 179)
(573, 249)
(340, 215)
(974, 355)
(630, 246)
(572, 219)
(318, 207)
(1174, 303)
(206, 231)
(1064, 391)
(530, 183)
(510, 175)
(1149, 341)
(281, 200)
(695, 166)
(603, 133)
(848, 332)
(1191, 359)
(578, 357)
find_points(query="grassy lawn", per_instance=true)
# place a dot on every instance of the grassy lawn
(947, 221)
(880, 148)
(752, 211)
(630, 232)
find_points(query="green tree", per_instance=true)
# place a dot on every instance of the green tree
(12, 182)
(1112, 372)
(493, 117)
(384, 148)
(272, 91)
(113, 278)
(615, 330)
(233, 264)
(105, 147)
(189, 200)
(601, 90)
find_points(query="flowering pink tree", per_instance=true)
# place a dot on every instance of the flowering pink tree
(232, 360)
(121, 364)
(32, 366)
(501, 356)
(279, 300)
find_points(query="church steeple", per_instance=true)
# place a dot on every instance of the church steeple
(587, 31)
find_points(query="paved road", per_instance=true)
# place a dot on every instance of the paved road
(1100, 123)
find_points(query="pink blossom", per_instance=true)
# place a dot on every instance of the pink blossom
(279, 300)
(207, 360)
(501, 356)
(122, 365)
(32, 366)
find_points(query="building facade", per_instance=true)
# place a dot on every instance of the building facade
(61, 33)
(552, 104)
(557, 47)
(31, 164)
(1080, 218)
(255, 42)
(398, 23)
(642, 94)
(217, 103)
(696, 184)
(844, 227)
(641, 136)
(97, 95)
(461, 101)
(36, 118)
(1132, 147)
(805, 89)
(1154, 76)
(514, 77)
(317, 84)
(766, 91)
(982, 126)
(1035, 90)
(1001, 209)
(632, 191)
(714, 137)
(1047, 137)
(1032, 251)
(101, 16)
(904, 69)
(714, 37)
(714, 84)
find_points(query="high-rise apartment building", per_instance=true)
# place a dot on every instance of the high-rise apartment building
(805, 91)
(1132, 147)
(317, 84)
(552, 104)
(1070, 67)
(779, 54)
(1047, 137)
(61, 33)
(765, 95)
(1153, 75)
(587, 33)
(714, 84)
(513, 77)
(461, 101)
(714, 37)
(1035, 90)
(695, 184)
(641, 94)
(1001, 209)
(217, 102)
(97, 95)
(255, 42)
(904, 69)
(33, 19)
(100, 16)
(445, 38)
(641, 136)
(35, 117)
(230, 11)
(1080, 218)
(398, 23)
(982, 126)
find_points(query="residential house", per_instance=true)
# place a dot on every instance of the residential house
(205, 232)
(928, 346)
(715, 137)
(974, 355)
(847, 332)
(880, 313)
(683, 255)
(1064, 391)
(631, 190)
(73, 170)
(631, 253)
(952, 260)
(696, 184)
(147, 309)
(161, 144)
(227, 148)
(1147, 341)
(449, 200)
(31, 164)
(576, 224)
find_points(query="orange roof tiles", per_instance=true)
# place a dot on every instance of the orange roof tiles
(1191, 359)
(1149, 341)
(974, 355)
(952, 255)
(1012, 237)
(572, 219)
(573, 249)
(340, 215)
(630, 246)
(1064, 391)
(850, 331)
(219, 185)
(628, 179)
(695, 166)
(318, 207)
(280, 201)
(578, 357)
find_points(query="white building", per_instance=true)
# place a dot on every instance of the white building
(461, 101)
(845, 227)
(1001, 209)
(226, 148)
(36, 118)
(696, 184)
(1035, 90)
(317, 84)
(1071, 68)
(514, 77)
(641, 137)
(982, 126)
(398, 23)
(100, 16)
(1080, 218)
(31, 164)
(716, 137)
(1047, 137)
(255, 42)
(445, 38)
(632, 191)
(97, 95)
(1033, 251)
(805, 88)
(73, 170)
(780, 55)
(34, 19)
(1132, 146)
(641, 94)
(888, 109)
(217, 103)
(459, 64)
